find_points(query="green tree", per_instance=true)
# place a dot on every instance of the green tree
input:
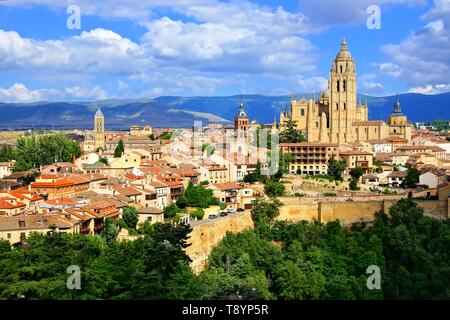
(130, 216)
(119, 150)
(171, 211)
(290, 133)
(110, 230)
(412, 178)
(6, 154)
(103, 160)
(337, 167)
(356, 173)
(33, 151)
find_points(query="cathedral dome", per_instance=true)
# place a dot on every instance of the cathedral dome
(344, 54)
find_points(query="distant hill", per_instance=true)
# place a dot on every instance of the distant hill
(182, 111)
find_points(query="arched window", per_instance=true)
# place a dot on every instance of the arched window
(344, 84)
(317, 124)
(341, 69)
(338, 85)
(345, 106)
(337, 106)
(302, 112)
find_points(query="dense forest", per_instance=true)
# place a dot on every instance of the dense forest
(275, 260)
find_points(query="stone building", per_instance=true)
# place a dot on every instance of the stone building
(336, 116)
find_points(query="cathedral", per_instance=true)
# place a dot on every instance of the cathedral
(336, 116)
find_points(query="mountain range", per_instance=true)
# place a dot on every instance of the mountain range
(171, 111)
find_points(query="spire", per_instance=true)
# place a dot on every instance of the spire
(99, 113)
(397, 108)
(344, 45)
(241, 113)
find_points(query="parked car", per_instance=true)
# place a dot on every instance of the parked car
(223, 214)
(231, 210)
(240, 209)
(212, 216)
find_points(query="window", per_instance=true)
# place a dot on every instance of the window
(22, 224)
(344, 84)
(8, 235)
(341, 69)
(22, 236)
(345, 106)
(337, 106)
(338, 85)
(302, 112)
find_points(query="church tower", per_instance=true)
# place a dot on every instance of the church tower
(241, 123)
(397, 117)
(99, 130)
(342, 100)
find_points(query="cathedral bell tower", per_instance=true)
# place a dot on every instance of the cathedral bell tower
(241, 122)
(342, 88)
(99, 130)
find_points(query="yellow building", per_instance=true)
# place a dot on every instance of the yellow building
(124, 164)
(336, 117)
(136, 130)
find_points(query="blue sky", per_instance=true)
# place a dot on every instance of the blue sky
(149, 48)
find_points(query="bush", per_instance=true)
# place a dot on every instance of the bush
(353, 185)
(199, 214)
(274, 188)
(330, 194)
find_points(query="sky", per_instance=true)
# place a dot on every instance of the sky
(150, 48)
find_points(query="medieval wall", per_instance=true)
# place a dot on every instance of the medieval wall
(206, 234)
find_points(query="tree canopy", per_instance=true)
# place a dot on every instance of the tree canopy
(290, 133)
(33, 151)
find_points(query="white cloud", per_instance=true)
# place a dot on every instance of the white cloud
(20, 93)
(312, 84)
(431, 89)
(93, 52)
(422, 58)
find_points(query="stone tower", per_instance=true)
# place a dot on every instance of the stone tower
(342, 99)
(99, 130)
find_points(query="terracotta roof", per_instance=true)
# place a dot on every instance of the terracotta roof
(39, 221)
(149, 210)
(355, 153)
(309, 144)
(8, 205)
(127, 191)
(157, 184)
(227, 186)
(396, 139)
(397, 174)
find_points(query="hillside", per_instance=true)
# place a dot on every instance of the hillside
(182, 111)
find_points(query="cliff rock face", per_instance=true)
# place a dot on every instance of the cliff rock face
(208, 233)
